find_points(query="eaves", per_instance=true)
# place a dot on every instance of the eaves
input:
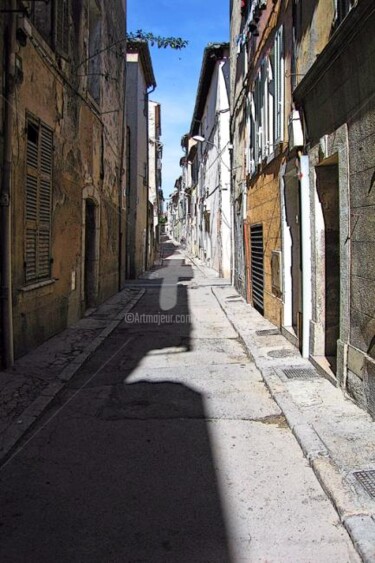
(141, 47)
(212, 53)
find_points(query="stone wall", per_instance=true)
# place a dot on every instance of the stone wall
(86, 164)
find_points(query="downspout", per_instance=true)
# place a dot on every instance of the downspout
(122, 182)
(306, 254)
(5, 201)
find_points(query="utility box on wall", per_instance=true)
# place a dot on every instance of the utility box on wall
(276, 277)
(295, 130)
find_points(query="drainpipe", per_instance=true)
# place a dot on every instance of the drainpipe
(5, 203)
(122, 183)
(306, 254)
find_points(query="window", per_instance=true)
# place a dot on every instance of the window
(52, 20)
(343, 7)
(62, 26)
(94, 66)
(41, 16)
(277, 62)
(266, 106)
(38, 199)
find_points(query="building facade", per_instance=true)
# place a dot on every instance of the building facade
(335, 96)
(206, 165)
(302, 126)
(140, 83)
(155, 194)
(63, 224)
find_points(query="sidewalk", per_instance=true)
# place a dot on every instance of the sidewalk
(336, 436)
(28, 388)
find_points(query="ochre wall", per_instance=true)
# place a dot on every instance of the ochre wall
(263, 207)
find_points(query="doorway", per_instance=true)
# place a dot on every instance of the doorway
(327, 181)
(91, 259)
(294, 249)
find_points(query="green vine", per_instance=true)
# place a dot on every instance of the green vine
(161, 42)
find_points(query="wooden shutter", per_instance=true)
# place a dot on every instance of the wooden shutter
(39, 153)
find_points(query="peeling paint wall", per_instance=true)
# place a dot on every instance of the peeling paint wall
(87, 160)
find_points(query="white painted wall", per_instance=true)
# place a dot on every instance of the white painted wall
(215, 176)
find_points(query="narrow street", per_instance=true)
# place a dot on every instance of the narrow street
(167, 447)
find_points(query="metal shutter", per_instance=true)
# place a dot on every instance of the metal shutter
(257, 268)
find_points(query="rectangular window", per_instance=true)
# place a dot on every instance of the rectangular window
(62, 26)
(343, 7)
(38, 200)
(258, 104)
(94, 62)
(52, 20)
(41, 16)
(277, 58)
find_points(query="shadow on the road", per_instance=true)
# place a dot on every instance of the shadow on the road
(124, 471)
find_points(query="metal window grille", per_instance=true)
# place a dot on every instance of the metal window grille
(257, 266)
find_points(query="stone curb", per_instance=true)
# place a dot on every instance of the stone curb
(31, 414)
(357, 521)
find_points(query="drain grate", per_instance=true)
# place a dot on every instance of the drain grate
(267, 332)
(300, 373)
(367, 480)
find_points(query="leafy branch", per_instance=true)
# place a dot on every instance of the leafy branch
(161, 42)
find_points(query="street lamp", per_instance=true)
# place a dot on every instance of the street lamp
(201, 139)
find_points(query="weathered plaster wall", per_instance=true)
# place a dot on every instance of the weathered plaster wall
(337, 98)
(314, 20)
(263, 207)
(85, 154)
(362, 289)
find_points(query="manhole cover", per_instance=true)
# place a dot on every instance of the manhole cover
(280, 353)
(267, 332)
(300, 373)
(367, 480)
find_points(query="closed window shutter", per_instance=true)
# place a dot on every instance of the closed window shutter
(38, 202)
(31, 226)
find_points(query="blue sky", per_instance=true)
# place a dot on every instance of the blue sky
(177, 72)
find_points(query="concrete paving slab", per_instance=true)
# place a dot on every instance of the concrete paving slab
(333, 432)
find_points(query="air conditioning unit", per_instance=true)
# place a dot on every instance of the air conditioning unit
(295, 131)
